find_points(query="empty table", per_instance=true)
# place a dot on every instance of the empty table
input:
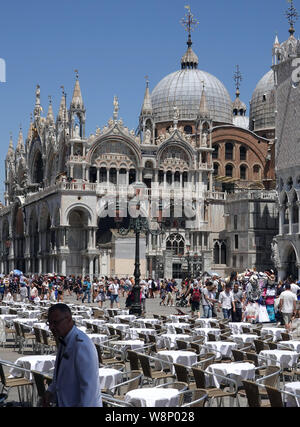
(187, 358)
(128, 344)
(292, 345)
(98, 338)
(204, 331)
(169, 340)
(153, 397)
(223, 348)
(205, 322)
(42, 363)
(133, 333)
(236, 327)
(109, 378)
(175, 317)
(238, 371)
(142, 322)
(129, 317)
(275, 332)
(284, 358)
(171, 327)
(294, 388)
(242, 339)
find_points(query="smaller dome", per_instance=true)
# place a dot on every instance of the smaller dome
(262, 105)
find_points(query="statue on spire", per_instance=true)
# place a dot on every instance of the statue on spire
(189, 23)
(237, 77)
(292, 16)
(116, 107)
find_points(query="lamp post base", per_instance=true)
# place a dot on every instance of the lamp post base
(135, 309)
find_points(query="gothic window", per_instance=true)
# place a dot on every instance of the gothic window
(236, 241)
(295, 210)
(289, 184)
(175, 243)
(220, 253)
(38, 170)
(228, 151)
(216, 253)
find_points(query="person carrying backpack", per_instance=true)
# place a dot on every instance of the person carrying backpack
(195, 299)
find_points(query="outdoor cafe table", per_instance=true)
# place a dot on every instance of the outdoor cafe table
(205, 322)
(291, 344)
(236, 327)
(29, 313)
(276, 332)
(142, 322)
(175, 317)
(128, 344)
(171, 327)
(129, 317)
(292, 387)
(187, 358)
(153, 397)
(93, 321)
(133, 333)
(41, 362)
(204, 331)
(284, 358)
(109, 378)
(237, 371)
(26, 321)
(98, 338)
(169, 340)
(121, 326)
(223, 347)
(242, 339)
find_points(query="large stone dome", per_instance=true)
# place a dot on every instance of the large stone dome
(262, 106)
(183, 89)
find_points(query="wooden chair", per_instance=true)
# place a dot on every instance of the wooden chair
(39, 346)
(133, 359)
(285, 336)
(260, 345)
(181, 345)
(41, 382)
(211, 337)
(131, 381)
(270, 378)
(28, 338)
(19, 383)
(194, 398)
(212, 392)
(238, 356)
(178, 330)
(183, 375)
(49, 343)
(154, 376)
(106, 361)
(253, 396)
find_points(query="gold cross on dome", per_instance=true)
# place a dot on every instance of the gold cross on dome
(189, 22)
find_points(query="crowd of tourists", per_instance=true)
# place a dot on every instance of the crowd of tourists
(250, 296)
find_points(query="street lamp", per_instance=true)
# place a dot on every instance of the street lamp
(139, 224)
(194, 260)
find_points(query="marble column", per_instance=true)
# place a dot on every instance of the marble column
(281, 219)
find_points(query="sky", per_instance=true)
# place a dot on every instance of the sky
(114, 44)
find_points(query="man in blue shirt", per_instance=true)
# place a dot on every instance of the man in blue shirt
(87, 289)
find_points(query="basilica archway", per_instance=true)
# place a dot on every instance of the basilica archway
(292, 269)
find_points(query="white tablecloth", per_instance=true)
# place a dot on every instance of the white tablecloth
(129, 317)
(204, 331)
(133, 333)
(97, 322)
(236, 327)
(187, 358)
(169, 340)
(109, 378)
(153, 397)
(128, 344)
(283, 358)
(8, 316)
(276, 332)
(235, 370)
(28, 322)
(122, 327)
(98, 338)
(142, 322)
(242, 339)
(175, 317)
(171, 327)
(205, 322)
(42, 363)
(292, 345)
(222, 347)
(29, 313)
(292, 387)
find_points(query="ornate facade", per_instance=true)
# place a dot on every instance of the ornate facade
(193, 146)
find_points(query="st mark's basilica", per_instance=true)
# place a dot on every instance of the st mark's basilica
(194, 148)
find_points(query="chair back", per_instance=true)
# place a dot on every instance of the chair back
(252, 393)
(181, 345)
(136, 377)
(178, 330)
(182, 373)
(199, 398)
(238, 355)
(99, 353)
(285, 336)
(145, 364)
(199, 375)
(17, 329)
(274, 396)
(45, 337)
(273, 373)
(272, 346)
(37, 333)
(111, 330)
(118, 332)
(213, 324)
(246, 330)
(211, 337)
(133, 359)
(95, 329)
(260, 345)
(40, 383)
(149, 325)
(253, 357)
